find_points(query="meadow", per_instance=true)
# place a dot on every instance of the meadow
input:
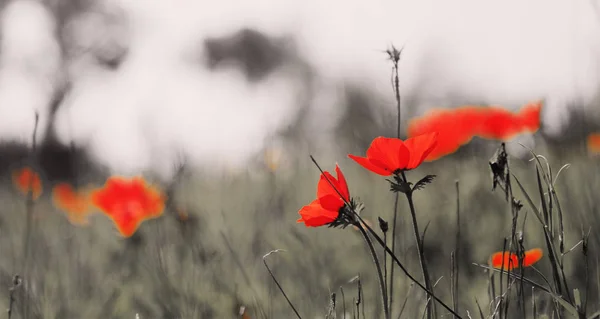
(207, 255)
(227, 244)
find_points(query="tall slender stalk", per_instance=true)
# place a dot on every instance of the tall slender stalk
(277, 282)
(394, 55)
(394, 226)
(455, 254)
(384, 299)
(383, 244)
(28, 233)
(405, 271)
(422, 261)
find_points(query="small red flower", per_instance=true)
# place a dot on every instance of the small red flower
(25, 180)
(74, 203)
(128, 202)
(326, 208)
(387, 156)
(593, 143)
(511, 261)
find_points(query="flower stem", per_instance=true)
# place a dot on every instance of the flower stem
(411, 205)
(384, 245)
(404, 270)
(378, 266)
(394, 226)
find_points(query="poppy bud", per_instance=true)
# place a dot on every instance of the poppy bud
(383, 225)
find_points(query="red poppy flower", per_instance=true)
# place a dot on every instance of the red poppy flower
(456, 127)
(511, 261)
(593, 143)
(500, 124)
(75, 204)
(128, 202)
(25, 180)
(387, 156)
(325, 209)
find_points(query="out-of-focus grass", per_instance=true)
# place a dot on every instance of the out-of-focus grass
(209, 264)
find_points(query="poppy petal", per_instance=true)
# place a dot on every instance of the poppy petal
(25, 180)
(366, 163)
(327, 185)
(74, 203)
(391, 152)
(314, 215)
(529, 116)
(593, 143)
(343, 185)
(532, 256)
(128, 202)
(420, 146)
(455, 127)
(331, 202)
(506, 259)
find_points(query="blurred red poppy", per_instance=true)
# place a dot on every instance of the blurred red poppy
(74, 203)
(387, 156)
(25, 180)
(593, 143)
(456, 127)
(511, 261)
(500, 124)
(128, 202)
(326, 208)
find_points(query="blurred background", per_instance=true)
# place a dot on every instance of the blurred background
(239, 94)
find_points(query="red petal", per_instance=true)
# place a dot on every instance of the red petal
(343, 185)
(455, 127)
(331, 202)
(328, 185)
(530, 116)
(593, 143)
(25, 180)
(390, 152)
(420, 146)
(532, 256)
(366, 163)
(127, 224)
(510, 261)
(128, 202)
(314, 215)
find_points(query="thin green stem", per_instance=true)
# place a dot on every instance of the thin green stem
(378, 267)
(394, 226)
(405, 271)
(383, 244)
(411, 205)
